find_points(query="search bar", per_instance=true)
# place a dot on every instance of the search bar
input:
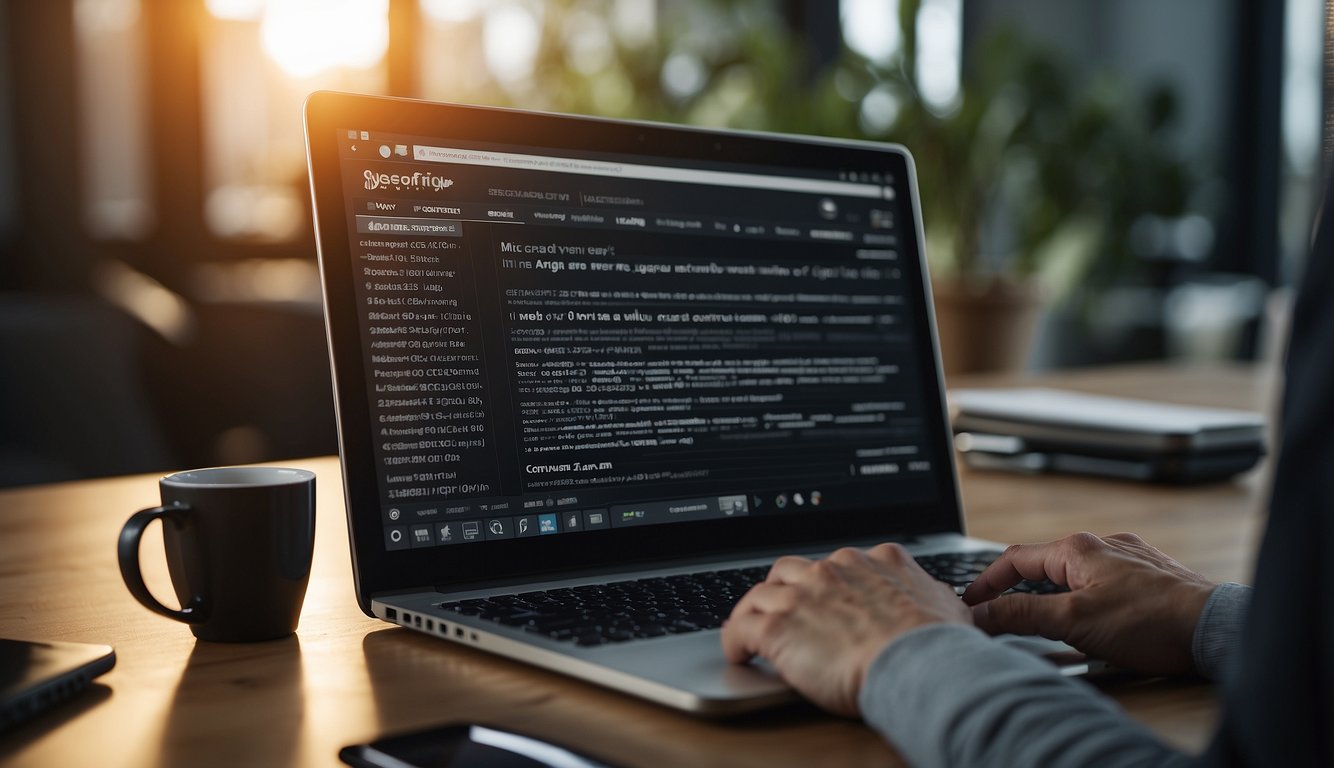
(645, 172)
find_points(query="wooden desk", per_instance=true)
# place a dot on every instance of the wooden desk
(345, 678)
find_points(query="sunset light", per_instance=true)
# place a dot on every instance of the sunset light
(308, 37)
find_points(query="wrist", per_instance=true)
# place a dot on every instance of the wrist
(919, 649)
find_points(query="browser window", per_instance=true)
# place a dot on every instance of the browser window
(568, 344)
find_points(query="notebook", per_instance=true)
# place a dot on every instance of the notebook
(592, 377)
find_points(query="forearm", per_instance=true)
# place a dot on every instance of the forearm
(1219, 629)
(949, 695)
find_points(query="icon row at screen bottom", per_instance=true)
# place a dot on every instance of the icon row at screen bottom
(492, 528)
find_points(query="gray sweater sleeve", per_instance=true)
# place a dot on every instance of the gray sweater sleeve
(1219, 629)
(949, 695)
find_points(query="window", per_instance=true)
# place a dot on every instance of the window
(259, 59)
(117, 185)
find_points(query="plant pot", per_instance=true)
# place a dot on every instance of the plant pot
(987, 325)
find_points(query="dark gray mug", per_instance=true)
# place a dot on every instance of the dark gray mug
(239, 542)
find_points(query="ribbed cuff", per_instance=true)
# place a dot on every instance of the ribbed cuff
(1219, 629)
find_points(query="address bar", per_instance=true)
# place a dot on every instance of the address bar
(646, 172)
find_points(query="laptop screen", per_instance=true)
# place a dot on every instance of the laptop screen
(564, 341)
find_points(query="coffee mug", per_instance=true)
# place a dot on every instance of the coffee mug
(239, 542)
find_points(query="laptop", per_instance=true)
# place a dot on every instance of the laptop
(592, 377)
(35, 676)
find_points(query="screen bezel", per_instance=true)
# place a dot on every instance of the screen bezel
(377, 570)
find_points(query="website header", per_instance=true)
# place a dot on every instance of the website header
(648, 172)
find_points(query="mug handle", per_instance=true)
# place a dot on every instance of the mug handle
(127, 550)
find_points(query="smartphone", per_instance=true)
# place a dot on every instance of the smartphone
(35, 676)
(457, 746)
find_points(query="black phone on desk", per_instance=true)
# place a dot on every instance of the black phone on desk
(464, 745)
(37, 675)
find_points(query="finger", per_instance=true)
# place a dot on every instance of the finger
(1006, 571)
(1050, 560)
(854, 570)
(1025, 614)
(745, 631)
(847, 556)
(899, 565)
(736, 636)
(768, 597)
(1128, 538)
(842, 566)
(1130, 544)
(788, 569)
(890, 554)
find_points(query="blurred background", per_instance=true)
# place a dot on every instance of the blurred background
(1102, 182)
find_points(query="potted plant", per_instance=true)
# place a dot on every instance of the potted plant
(1030, 187)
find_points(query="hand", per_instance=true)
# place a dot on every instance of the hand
(1128, 603)
(821, 623)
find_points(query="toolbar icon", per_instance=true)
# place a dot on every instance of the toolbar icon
(732, 505)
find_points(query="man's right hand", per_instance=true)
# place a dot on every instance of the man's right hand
(1128, 604)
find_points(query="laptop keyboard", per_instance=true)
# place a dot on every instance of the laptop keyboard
(960, 569)
(627, 610)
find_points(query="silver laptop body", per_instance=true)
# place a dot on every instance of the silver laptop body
(571, 352)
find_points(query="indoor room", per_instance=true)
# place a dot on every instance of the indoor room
(664, 382)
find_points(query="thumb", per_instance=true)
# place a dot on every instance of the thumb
(1025, 614)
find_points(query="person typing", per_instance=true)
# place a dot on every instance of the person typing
(870, 634)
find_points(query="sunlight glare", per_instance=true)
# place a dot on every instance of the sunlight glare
(236, 10)
(452, 11)
(940, 53)
(307, 37)
(511, 38)
(871, 27)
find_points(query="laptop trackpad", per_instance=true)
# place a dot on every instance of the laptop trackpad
(695, 663)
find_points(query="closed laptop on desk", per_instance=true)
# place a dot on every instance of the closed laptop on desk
(1035, 430)
(593, 376)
